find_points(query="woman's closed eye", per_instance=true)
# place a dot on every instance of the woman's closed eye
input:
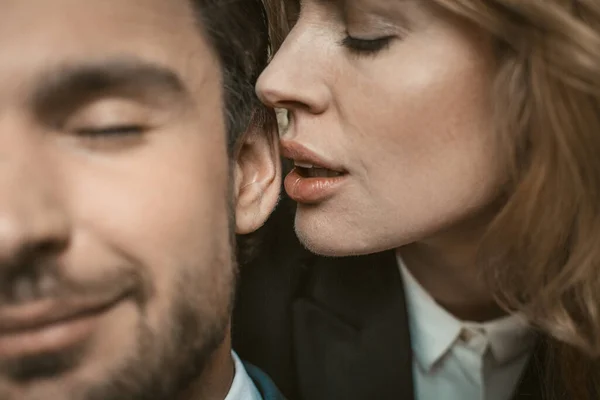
(366, 47)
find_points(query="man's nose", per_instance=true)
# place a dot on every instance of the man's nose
(32, 217)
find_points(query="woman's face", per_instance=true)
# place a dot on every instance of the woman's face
(389, 102)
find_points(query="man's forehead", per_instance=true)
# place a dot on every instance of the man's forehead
(156, 12)
(35, 33)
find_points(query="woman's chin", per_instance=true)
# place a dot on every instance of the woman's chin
(337, 244)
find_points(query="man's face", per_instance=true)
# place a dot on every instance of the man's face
(116, 269)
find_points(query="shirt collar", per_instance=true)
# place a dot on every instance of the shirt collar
(509, 337)
(242, 387)
(434, 331)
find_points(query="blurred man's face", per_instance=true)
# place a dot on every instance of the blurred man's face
(116, 269)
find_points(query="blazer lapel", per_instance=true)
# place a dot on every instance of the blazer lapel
(263, 383)
(350, 328)
(531, 386)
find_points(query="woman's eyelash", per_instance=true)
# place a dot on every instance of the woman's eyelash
(366, 46)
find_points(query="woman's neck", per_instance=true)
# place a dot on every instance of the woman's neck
(446, 267)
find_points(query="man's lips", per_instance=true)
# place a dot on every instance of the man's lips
(37, 315)
(52, 326)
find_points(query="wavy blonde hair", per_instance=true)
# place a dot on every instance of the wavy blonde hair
(541, 255)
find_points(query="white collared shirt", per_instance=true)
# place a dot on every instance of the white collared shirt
(242, 387)
(458, 360)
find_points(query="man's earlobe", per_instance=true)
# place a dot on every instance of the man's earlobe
(257, 177)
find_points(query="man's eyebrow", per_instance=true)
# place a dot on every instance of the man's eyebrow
(69, 85)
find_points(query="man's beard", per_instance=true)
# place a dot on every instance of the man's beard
(163, 368)
(166, 360)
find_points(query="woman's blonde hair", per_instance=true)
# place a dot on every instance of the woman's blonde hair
(541, 255)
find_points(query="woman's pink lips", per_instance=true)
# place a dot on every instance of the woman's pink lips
(311, 190)
(302, 154)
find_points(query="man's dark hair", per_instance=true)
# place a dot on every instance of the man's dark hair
(238, 31)
(239, 34)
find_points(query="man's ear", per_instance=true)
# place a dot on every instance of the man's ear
(257, 175)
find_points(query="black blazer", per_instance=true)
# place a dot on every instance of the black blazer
(326, 328)
(264, 384)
